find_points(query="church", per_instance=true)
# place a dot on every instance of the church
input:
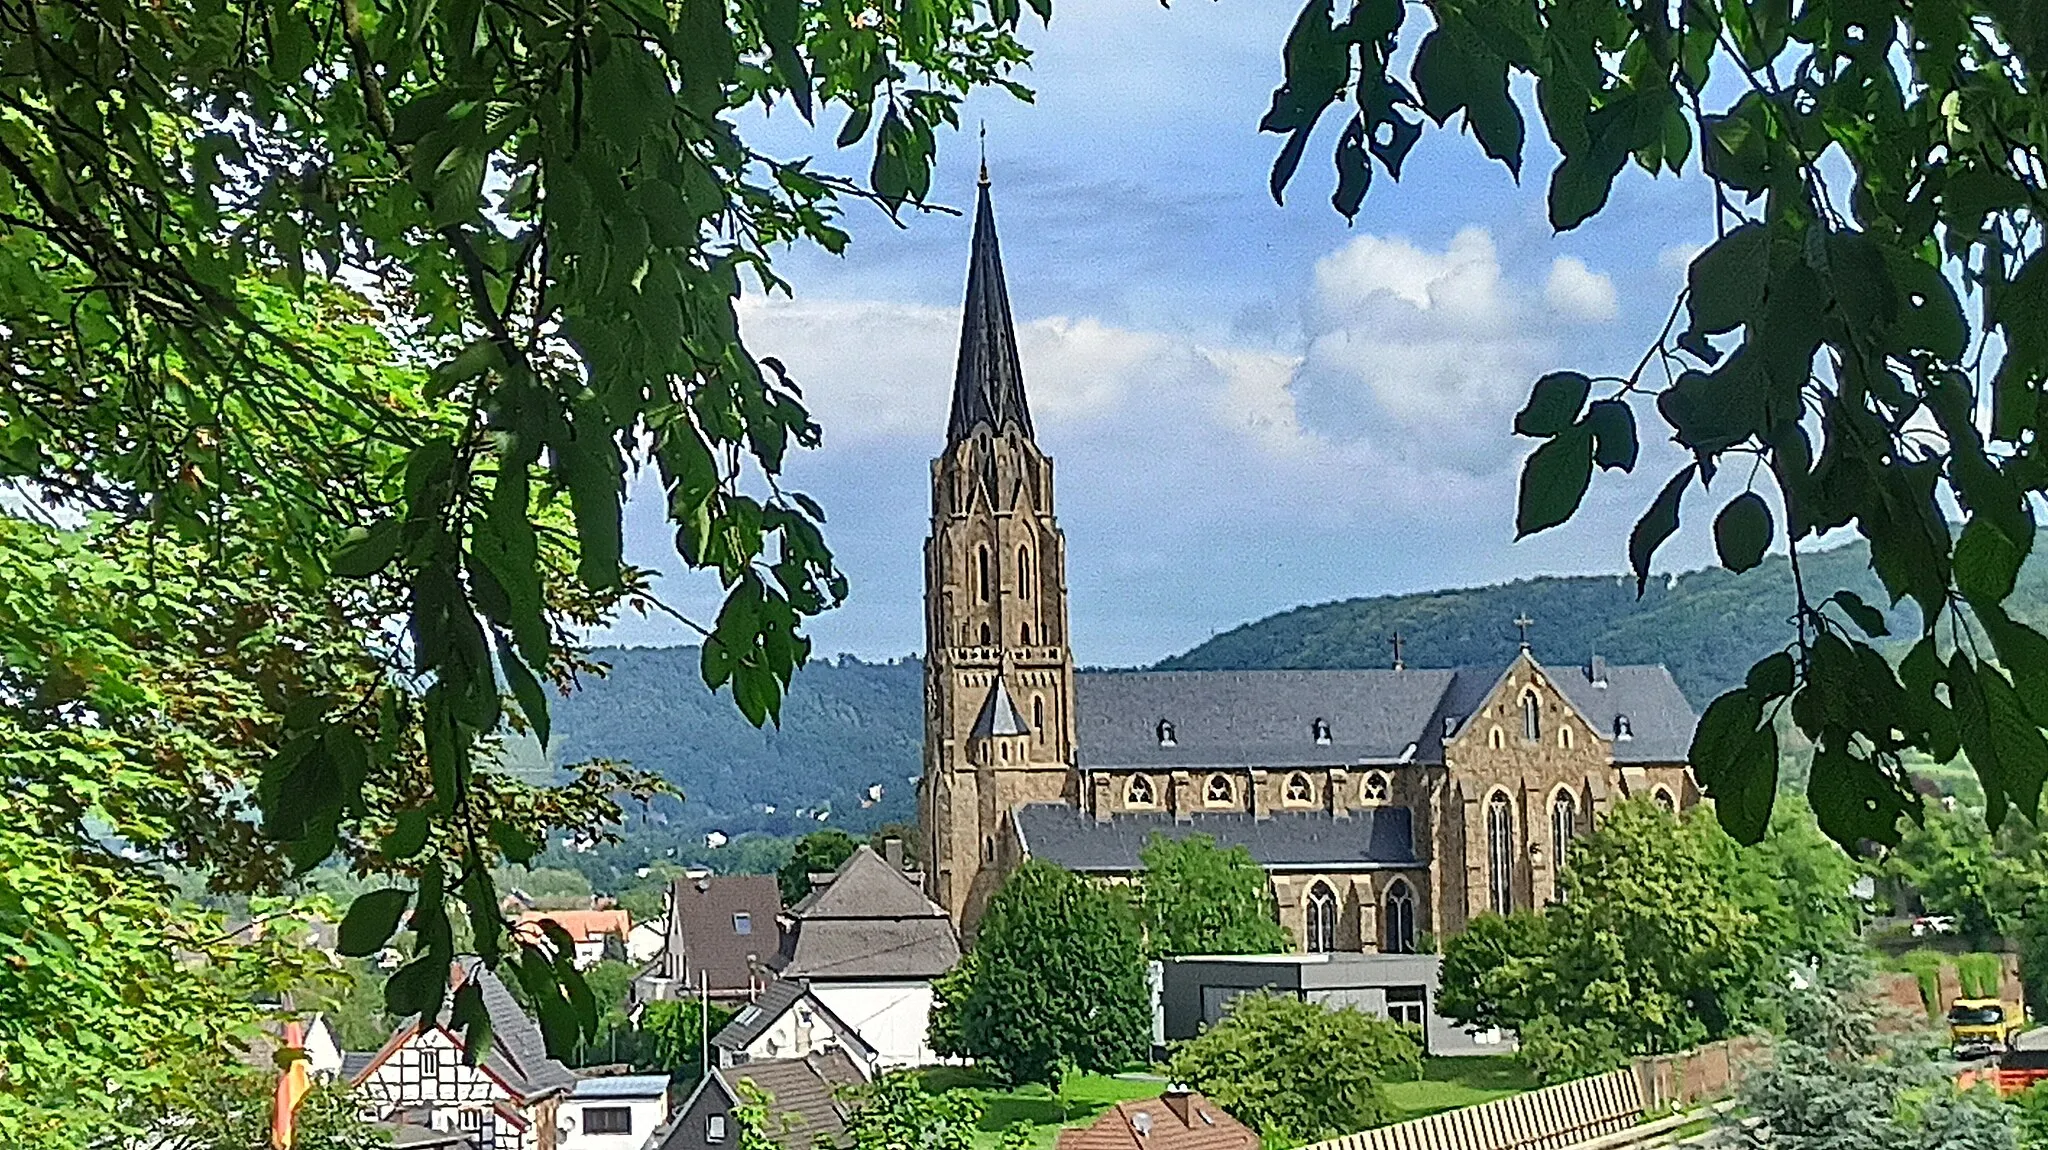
(1385, 804)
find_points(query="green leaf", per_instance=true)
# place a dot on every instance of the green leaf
(1742, 532)
(469, 1014)
(371, 921)
(1869, 618)
(364, 551)
(415, 989)
(1554, 481)
(1771, 677)
(1553, 405)
(1659, 523)
(513, 841)
(1735, 757)
(1851, 801)
(533, 699)
(409, 835)
(1725, 283)
(1614, 434)
(1987, 565)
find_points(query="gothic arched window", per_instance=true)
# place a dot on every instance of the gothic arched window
(1532, 717)
(1038, 716)
(986, 638)
(1299, 789)
(1024, 635)
(1322, 919)
(1375, 789)
(1023, 573)
(1495, 739)
(1140, 792)
(1219, 792)
(985, 577)
(1564, 738)
(1564, 826)
(1500, 852)
(1663, 799)
(1397, 919)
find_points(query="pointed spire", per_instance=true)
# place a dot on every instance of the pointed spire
(988, 384)
(999, 715)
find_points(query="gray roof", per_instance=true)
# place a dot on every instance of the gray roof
(622, 1086)
(988, 382)
(1269, 718)
(1376, 839)
(869, 921)
(354, 1062)
(999, 714)
(1266, 718)
(518, 1053)
(804, 1101)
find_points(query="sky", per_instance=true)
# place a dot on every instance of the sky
(1249, 407)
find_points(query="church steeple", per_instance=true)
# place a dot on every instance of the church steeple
(988, 383)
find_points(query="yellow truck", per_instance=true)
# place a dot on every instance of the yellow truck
(1979, 1027)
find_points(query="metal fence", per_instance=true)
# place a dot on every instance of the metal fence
(1548, 1119)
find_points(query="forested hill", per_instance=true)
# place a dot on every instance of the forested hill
(850, 725)
(1708, 626)
(846, 726)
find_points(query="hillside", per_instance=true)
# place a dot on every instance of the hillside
(850, 725)
(1708, 626)
(846, 726)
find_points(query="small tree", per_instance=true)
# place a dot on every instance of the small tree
(1297, 1071)
(672, 1037)
(1058, 979)
(1198, 898)
(896, 1112)
(819, 852)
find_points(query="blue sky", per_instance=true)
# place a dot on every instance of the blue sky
(1249, 407)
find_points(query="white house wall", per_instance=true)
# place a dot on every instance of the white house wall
(891, 1017)
(401, 1082)
(796, 1033)
(647, 1113)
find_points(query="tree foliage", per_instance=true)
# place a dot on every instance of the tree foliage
(230, 1106)
(1866, 339)
(1058, 980)
(896, 1112)
(558, 211)
(1197, 898)
(1666, 934)
(820, 852)
(672, 1036)
(1297, 1071)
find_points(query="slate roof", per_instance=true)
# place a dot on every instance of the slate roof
(988, 382)
(518, 1056)
(999, 714)
(805, 1090)
(622, 1086)
(702, 935)
(870, 921)
(1379, 838)
(1374, 716)
(1158, 1124)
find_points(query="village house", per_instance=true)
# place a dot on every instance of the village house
(596, 934)
(724, 932)
(1179, 1119)
(807, 1104)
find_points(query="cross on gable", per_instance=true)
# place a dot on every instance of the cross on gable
(1523, 622)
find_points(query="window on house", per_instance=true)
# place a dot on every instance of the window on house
(607, 1120)
(1023, 573)
(1024, 635)
(1564, 825)
(1532, 716)
(1375, 789)
(985, 636)
(1038, 716)
(1397, 919)
(714, 1128)
(1219, 792)
(430, 1064)
(1165, 733)
(1322, 919)
(1663, 799)
(1495, 739)
(1622, 728)
(742, 922)
(1299, 789)
(1564, 737)
(1500, 852)
(1140, 793)
(1320, 731)
(985, 578)
(1407, 1004)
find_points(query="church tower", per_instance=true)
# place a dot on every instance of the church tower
(999, 680)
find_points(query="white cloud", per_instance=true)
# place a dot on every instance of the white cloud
(1678, 257)
(1578, 292)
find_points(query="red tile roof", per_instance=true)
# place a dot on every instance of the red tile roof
(1179, 1120)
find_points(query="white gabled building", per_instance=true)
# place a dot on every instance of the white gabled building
(508, 1101)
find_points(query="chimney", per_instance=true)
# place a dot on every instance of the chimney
(1596, 670)
(1179, 1099)
(892, 852)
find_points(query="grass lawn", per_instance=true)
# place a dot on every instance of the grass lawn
(1448, 1083)
(1087, 1095)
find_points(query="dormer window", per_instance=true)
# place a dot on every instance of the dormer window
(1622, 728)
(1140, 793)
(1300, 791)
(1320, 731)
(1165, 733)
